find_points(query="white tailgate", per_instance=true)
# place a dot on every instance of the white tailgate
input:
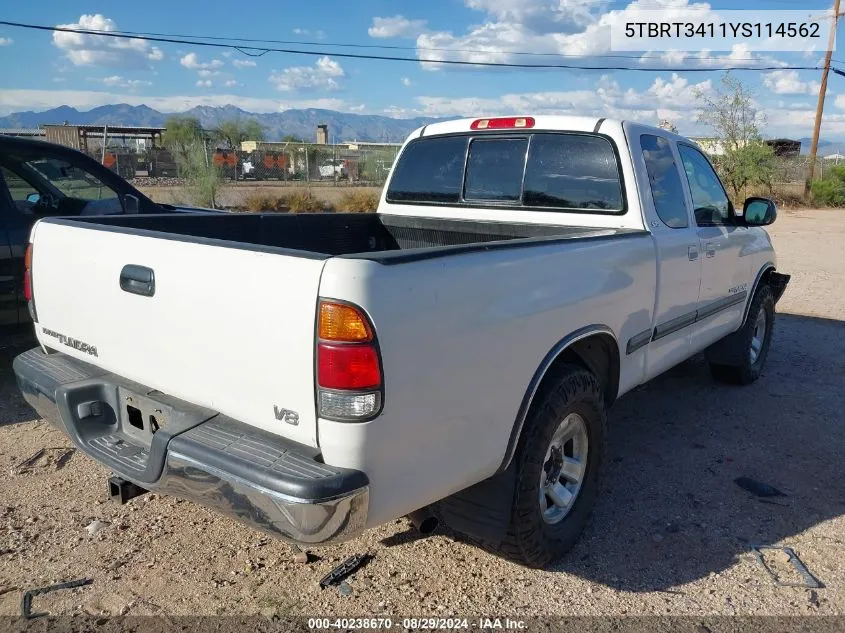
(230, 329)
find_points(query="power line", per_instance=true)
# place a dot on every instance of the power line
(259, 50)
(232, 40)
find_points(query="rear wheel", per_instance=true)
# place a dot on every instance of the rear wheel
(558, 462)
(753, 341)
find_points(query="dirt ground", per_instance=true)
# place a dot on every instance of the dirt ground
(672, 533)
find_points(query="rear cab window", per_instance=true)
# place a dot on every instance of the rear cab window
(542, 170)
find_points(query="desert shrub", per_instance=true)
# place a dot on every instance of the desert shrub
(304, 201)
(358, 201)
(830, 190)
(260, 201)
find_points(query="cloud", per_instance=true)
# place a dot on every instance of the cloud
(323, 75)
(204, 83)
(98, 50)
(243, 63)
(116, 81)
(205, 73)
(38, 100)
(320, 35)
(397, 26)
(6, 41)
(576, 30)
(788, 82)
(191, 61)
(406, 81)
(231, 83)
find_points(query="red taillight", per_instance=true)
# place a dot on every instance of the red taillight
(27, 285)
(503, 123)
(349, 376)
(27, 273)
(348, 367)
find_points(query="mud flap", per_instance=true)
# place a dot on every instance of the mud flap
(482, 511)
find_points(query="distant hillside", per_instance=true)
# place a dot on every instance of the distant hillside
(301, 123)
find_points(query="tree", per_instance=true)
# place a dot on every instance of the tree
(185, 139)
(181, 134)
(751, 164)
(291, 138)
(730, 112)
(233, 133)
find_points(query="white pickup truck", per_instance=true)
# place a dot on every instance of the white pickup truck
(455, 353)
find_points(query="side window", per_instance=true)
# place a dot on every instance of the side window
(44, 185)
(665, 181)
(494, 169)
(19, 189)
(708, 196)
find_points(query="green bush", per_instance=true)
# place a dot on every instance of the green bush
(259, 202)
(358, 201)
(830, 190)
(304, 201)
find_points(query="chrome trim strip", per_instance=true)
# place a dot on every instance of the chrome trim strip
(721, 304)
(672, 326)
(636, 342)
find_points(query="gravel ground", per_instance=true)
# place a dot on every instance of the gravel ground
(671, 533)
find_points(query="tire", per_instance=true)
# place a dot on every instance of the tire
(751, 364)
(531, 539)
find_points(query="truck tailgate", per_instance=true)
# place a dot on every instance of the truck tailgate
(227, 328)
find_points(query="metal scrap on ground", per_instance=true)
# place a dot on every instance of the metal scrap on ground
(343, 571)
(26, 601)
(810, 581)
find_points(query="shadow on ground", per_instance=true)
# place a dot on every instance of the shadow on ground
(670, 512)
(13, 408)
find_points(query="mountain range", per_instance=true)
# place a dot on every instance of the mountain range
(301, 123)
(343, 126)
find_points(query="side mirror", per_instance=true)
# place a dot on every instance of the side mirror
(131, 204)
(759, 212)
(33, 198)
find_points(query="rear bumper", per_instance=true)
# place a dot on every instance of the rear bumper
(246, 473)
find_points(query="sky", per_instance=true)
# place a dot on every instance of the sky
(41, 70)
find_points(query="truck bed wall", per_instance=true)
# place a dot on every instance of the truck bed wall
(334, 234)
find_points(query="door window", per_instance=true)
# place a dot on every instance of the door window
(43, 185)
(665, 181)
(708, 195)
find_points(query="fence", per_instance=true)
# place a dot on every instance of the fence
(286, 162)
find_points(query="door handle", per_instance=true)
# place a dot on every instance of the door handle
(710, 249)
(692, 252)
(138, 280)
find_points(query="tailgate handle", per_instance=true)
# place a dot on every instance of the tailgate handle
(139, 280)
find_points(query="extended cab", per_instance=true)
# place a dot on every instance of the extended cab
(316, 375)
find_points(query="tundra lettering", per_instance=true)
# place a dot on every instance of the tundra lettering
(71, 342)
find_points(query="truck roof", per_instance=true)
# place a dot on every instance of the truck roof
(542, 122)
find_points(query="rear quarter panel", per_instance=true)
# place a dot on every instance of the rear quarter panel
(461, 337)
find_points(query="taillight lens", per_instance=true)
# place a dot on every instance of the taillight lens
(27, 281)
(348, 367)
(349, 376)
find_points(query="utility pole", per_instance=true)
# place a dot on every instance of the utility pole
(814, 148)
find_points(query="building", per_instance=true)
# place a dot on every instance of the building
(79, 136)
(322, 134)
(22, 132)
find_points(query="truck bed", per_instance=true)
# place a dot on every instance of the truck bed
(387, 238)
